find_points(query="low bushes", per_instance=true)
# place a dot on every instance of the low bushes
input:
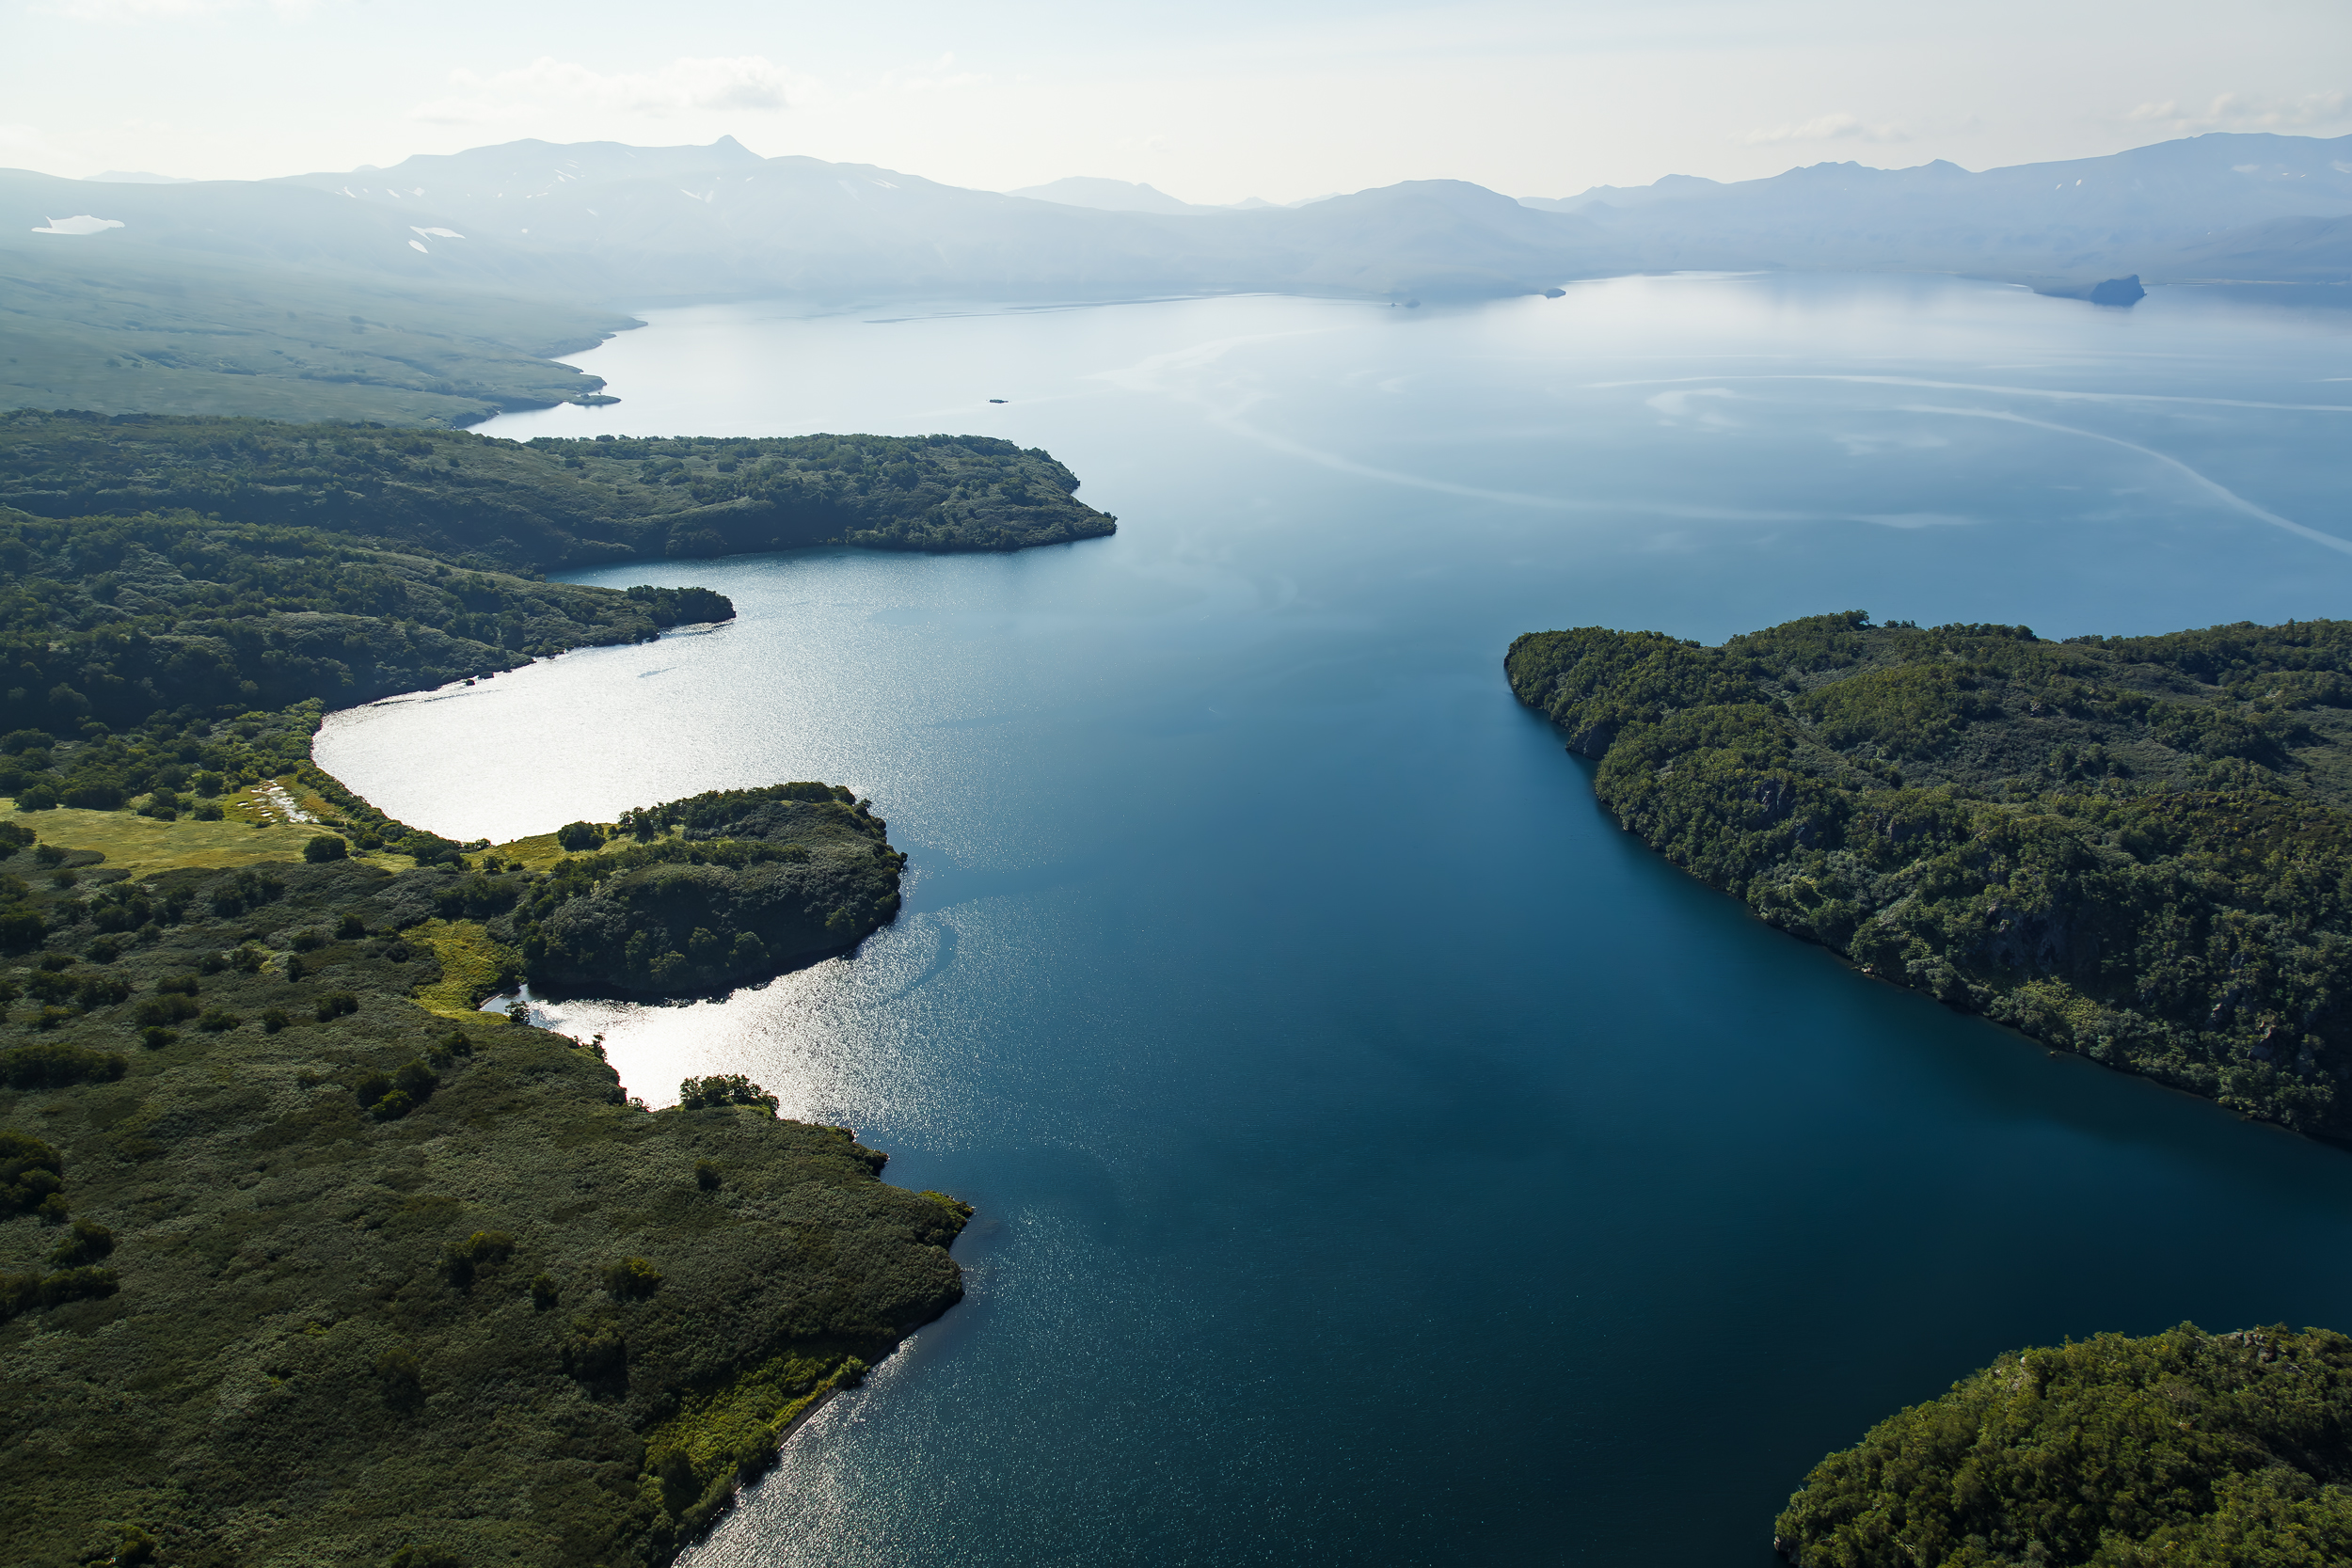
(389, 1097)
(27, 1293)
(631, 1279)
(47, 1065)
(32, 1176)
(461, 1260)
(695, 1094)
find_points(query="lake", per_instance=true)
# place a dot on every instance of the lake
(1379, 1156)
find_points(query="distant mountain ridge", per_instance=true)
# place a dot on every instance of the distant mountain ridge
(434, 290)
(601, 221)
(2255, 207)
(1125, 196)
(652, 223)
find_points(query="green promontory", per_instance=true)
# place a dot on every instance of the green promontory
(2139, 849)
(755, 881)
(113, 618)
(2185, 1449)
(502, 505)
(304, 1259)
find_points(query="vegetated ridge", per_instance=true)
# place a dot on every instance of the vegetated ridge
(302, 1256)
(111, 618)
(2185, 1449)
(2138, 848)
(495, 503)
(302, 1259)
(185, 328)
(756, 881)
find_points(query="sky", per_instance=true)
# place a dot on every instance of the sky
(1211, 101)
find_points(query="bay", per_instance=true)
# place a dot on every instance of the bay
(1381, 1156)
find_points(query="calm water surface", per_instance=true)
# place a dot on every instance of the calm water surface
(1380, 1157)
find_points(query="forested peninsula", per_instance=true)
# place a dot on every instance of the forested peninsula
(304, 1259)
(2135, 847)
(302, 1256)
(492, 505)
(2184, 1449)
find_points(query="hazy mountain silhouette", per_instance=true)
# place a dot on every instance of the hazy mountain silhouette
(1123, 195)
(600, 221)
(1109, 195)
(653, 223)
(2221, 205)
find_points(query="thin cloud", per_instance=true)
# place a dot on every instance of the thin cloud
(932, 77)
(24, 138)
(1838, 127)
(2231, 112)
(172, 10)
(743, 82)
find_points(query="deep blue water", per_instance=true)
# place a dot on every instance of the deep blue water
(1380, 1157)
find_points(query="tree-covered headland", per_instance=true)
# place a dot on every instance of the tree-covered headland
(2138, 848)
(304, 1257)
(2184, 1449)
(493, 504)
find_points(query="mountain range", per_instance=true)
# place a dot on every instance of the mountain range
(437, 288)
(2251, 208)
(602, 222)
(1128, 196)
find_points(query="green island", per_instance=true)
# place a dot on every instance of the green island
(2139, 849)
(2185, 1448)
(304, 1257)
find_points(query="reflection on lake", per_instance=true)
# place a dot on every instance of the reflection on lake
(1379, 1156)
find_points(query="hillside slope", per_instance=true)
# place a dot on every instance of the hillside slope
(303, 1260)
(194, 306)
(2139, 849)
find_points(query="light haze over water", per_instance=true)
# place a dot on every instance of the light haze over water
(1379, 1156)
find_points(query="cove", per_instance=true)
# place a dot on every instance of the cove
(1378, 1155)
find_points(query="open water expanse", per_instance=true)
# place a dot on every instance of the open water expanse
(1380, 1157)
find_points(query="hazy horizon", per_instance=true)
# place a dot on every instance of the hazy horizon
(1211, 104)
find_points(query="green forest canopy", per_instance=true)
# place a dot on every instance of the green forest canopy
(293, 1265)
(496, 504)
(405, 1282)
(2139, 849)
(2184, 1449)
(181, 333)
(114, 619)
(423, 1285)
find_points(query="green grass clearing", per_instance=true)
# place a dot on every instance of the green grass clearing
(248, 833)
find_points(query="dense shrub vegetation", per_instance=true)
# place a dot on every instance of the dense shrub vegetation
(301, 1254)
(501, 506)
(411, 1285)
(694, 1094)
(2185, 1449)
(755, 882)
(118, 619)
(2138, 848)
